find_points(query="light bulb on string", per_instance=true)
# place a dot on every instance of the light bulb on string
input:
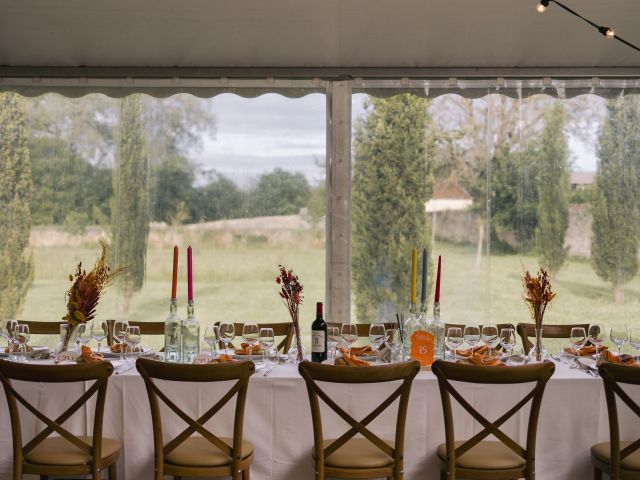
(607, 32)
(542, 6)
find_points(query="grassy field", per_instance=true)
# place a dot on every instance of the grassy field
(238, 283)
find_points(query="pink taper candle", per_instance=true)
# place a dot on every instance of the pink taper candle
(189, 274)
(437, 299)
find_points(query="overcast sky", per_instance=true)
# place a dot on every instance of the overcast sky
(257, 135)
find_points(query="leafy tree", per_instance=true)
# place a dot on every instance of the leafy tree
(16, 262)
(614, 244)
(553, 189)
(130, 221)
(279, 193)
(219, 199)
(392, 180)
(173, 186)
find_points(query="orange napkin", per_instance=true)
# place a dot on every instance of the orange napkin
(350, 360)
(122, 347)
(223, 359)
(366, 350)
(585, 351)
(481, 350)
(245, 349)
(480, 359)
(87, 355)
(623, 359)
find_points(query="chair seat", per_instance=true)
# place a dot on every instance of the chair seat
(59, 451)
(485, 456)
(602, 451)
(200, 452)
(358, 453)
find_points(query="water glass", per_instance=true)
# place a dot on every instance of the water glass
(393, 341)
(453, 340)
(120, 334)
(21, 337)
(333, 338)
(7, 330)
(619, 336)
(227, 334)
(578, 338)
(349, 333)
(508, 339)
(211, 336)
(597, 336)
(472, 335)
(634, 340)
(490, 337)
(517, 357)
(250, 334)
(133, 338)
(266, 340)
(376, 335)
(84, 334)
(99, 331)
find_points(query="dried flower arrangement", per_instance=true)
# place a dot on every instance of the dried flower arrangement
(291, 295)
(538, 295)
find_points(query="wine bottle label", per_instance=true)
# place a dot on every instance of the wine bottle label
(317, 341)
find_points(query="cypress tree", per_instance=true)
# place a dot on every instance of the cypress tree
(553, 189)
(16, 188)
(130, 224)
(614, 245)
(392, 180)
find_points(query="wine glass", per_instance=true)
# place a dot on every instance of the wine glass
(133, 338)
(634, 340)
(211, 336)
(454, 339)
(84, 334)
(517, 357)
(597, 336)
(10, 330)
(619, 336)
(250, 334)
(508, 339)
(99, 331)
(349, 334)
(227, 334)
(490, 337)
(578, 338)
(333, 338)
(376, 335)
(120, 334)
(266, 340)
(21, 335)
(392, 340)
(472, 335)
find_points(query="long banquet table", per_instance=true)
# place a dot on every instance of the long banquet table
(278, 422)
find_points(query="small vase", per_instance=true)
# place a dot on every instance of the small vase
(297, 351)
(68, 334)
(538, 353)
(293, 354)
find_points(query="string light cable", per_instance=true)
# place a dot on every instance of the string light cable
(607, 32)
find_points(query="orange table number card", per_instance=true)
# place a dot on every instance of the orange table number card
(422, 347)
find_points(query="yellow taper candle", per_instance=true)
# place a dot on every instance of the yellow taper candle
(414, 275)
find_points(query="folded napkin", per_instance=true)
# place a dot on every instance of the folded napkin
(366, 350)
(485, 360)
(623, 359)
(480, 349)
(585, 351)
(223, 359)
(245, 349)
(350, 360)
(122, 348)
(87, 355)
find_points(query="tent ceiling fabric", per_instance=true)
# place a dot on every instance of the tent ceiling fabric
(314, 33)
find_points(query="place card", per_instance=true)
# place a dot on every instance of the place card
(202, 359)
(67, 357)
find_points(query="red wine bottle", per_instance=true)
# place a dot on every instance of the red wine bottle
(318, 336)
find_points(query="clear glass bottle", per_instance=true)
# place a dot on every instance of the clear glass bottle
(190, 336)
(412, 323)
(438, 332)
(173, 335)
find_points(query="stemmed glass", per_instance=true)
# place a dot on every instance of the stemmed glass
(392, 340)
(21, 335)
(472, 335)
(634, 340)
(349, 334)
(454, 340)
(597, 337)
(227, 334)
(333, 338)
(619, 336)
(84, 334)
(266, 340)
(133, 338)
(120, 334)
(508, 340)
(7, 330)
(99, 331)
(490, 337)
(376, 335)
(250, 334)
(578, 338)
(211, 336)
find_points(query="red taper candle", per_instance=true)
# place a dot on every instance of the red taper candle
(174, 278)
(189, 274)
(437, 299)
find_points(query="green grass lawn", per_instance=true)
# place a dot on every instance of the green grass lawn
(238, 283)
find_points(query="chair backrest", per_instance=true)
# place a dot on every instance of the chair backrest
(363, 328)
(146, 328)
(500, 326)
(528, 330)
(613, 375)
(458, 372)
(42, 328)
(240, 371)
(314, 372)
(98, 372)
(280, 329)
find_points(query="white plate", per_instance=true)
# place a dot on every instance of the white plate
(35, 349)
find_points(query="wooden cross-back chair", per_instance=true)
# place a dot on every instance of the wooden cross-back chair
(42, 328)
(205, 455)
(363, 328)
(347, 456)
(65, 454)
(621, 460)
(528, 330)
(146, 328)
(477, 458)
(280, 329)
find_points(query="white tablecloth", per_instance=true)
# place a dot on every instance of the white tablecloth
(278, 421)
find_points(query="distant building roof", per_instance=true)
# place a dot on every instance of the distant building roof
(448, 195)
(582, 178)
